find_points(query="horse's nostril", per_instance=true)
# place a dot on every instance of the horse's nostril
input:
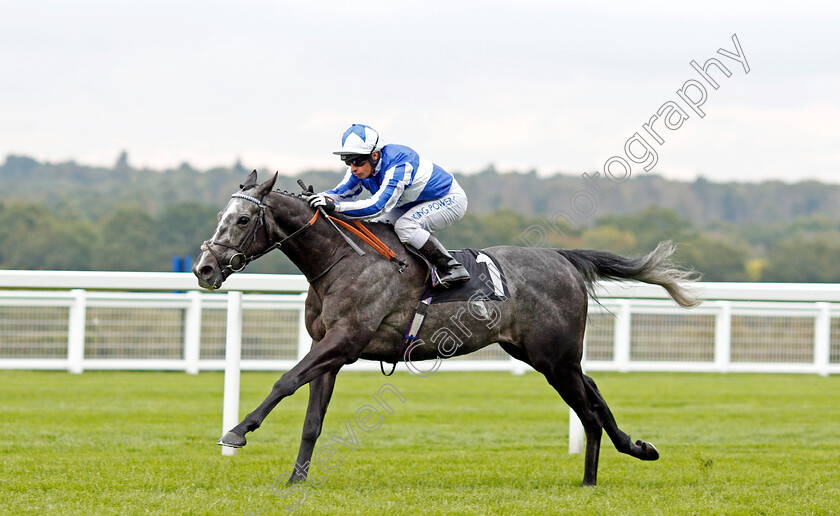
(206, 271)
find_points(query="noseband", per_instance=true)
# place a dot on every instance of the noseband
(241, 258)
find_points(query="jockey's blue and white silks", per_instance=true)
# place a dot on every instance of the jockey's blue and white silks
(401, 179)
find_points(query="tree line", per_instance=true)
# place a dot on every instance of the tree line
(132, 237)
(67, 216)
(94, 191)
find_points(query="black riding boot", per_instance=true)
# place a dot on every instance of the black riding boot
(448, 268)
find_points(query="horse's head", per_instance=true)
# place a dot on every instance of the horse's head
(241, 235)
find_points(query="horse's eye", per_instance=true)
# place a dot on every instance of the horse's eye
(243, 220)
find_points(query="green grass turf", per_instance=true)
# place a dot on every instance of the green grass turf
(462, 443)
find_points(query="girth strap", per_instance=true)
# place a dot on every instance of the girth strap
(411, 333)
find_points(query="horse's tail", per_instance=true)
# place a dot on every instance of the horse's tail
(656, 268)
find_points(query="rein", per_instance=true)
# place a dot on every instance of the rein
(368, 237)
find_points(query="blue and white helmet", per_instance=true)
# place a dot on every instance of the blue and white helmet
(359, 139)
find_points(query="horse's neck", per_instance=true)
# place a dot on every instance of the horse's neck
(317, 248)
(312, 250)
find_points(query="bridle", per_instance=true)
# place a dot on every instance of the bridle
(241, 258)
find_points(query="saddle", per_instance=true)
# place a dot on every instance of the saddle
(487, 282)
(486, 278)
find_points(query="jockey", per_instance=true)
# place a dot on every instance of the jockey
(412, 193)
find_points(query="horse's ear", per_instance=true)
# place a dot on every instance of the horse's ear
(266, 187)
(251, 180)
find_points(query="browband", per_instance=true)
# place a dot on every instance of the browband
(247, 198)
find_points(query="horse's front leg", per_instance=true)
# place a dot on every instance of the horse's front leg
(328, 355)
(320, 391)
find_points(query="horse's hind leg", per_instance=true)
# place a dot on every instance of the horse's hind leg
(569, 382)
(516, 352)
(640, 449)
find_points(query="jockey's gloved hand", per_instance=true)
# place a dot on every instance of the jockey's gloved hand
(322, 201)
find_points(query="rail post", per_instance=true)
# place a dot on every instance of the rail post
(76, 332)
(723, 336)
(822, 338)
(622, 336)
(304, 340)
(192, 332)
(233, 354)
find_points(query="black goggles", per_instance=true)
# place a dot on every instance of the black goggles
(355, 159)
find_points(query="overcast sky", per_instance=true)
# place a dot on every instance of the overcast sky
(523, 85)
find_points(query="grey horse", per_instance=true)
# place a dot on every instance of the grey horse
(360, 307)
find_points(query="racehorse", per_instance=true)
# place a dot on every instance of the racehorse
(360, 306)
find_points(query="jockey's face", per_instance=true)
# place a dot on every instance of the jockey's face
(364, 170)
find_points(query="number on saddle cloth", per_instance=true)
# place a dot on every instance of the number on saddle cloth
(487, 280)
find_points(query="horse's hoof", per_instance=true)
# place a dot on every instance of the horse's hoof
(296, 479)
(587, 484)
(649, 451)
(232, 440)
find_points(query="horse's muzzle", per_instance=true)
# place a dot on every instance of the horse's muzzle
(207, 270)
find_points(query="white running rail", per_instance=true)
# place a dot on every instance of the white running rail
(77, 321)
